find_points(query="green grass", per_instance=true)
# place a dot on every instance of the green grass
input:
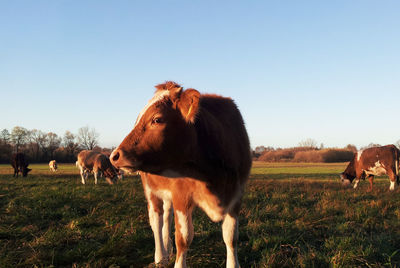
(293, 215)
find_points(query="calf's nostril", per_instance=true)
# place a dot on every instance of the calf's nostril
(115, 157)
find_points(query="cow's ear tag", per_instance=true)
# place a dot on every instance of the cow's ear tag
(188, 104)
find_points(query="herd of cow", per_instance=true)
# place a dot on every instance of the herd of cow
(88, 162)
(193, 150)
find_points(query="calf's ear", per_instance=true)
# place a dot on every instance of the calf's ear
(188, 104)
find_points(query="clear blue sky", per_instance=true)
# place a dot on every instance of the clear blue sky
(326, 70)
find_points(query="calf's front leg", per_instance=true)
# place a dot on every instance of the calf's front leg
(183, 233)
(156, 211)
(166, 229)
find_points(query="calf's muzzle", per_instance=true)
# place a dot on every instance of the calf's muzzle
(120, 160)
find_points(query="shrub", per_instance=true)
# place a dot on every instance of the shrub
(310, 155)
(281, 154)
(337, 155)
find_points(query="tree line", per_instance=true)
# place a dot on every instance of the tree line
(308, 151)
(42, 147)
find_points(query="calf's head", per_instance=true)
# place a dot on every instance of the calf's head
(25, 170)
(111, 176)
(163, 135)
(346, 179)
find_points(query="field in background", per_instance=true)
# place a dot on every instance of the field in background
(293, 215)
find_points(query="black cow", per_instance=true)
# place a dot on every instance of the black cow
(19, 164)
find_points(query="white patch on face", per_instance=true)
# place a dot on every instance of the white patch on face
(359, 153)
(356, 184)
(376, 170)
(183, 225)
(345, 182)
(392, 185)
(157, 97)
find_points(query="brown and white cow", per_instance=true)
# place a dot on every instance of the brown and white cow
(372, 162)
(191, 150)
(120, 172)
(53, 165)
(98, 163)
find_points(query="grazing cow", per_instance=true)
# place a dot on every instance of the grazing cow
(372, 162)
(53, 165)
(98, 163)
(191, 150)
(120, 172)
(20, 164)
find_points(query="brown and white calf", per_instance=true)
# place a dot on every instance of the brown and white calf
(372, 162)
(53, 165)
(191, 150)
(98, 163)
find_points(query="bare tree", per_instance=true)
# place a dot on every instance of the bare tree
(5, 136)
(37, 142)
(53, 142)
(19, 136)
(87, 138)
(308, 143)
(68, 139)
(5, 146)
(71, 147)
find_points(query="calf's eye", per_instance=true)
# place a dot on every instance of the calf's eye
(157, 120)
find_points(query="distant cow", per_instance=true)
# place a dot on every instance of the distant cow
(98, 163)
(372, 162)
(192, 150)
(20, 164)
(53, 165)
(120, 173)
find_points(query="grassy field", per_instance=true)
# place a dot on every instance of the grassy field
(293, 215)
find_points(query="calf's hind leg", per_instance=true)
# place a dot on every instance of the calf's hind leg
(230, 233)
(393, 178)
